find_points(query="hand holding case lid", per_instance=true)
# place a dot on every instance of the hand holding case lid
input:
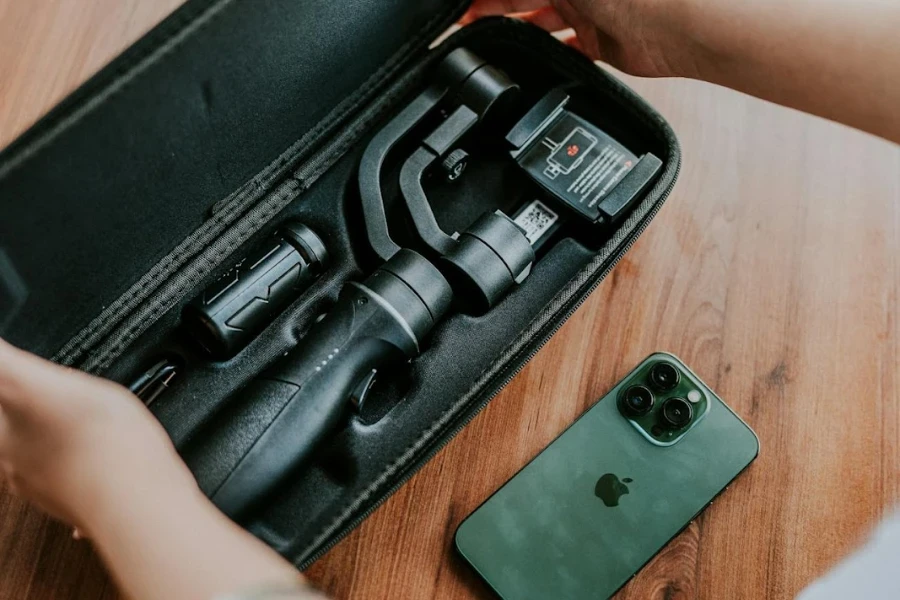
(227, 119)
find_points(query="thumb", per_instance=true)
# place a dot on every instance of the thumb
(26, 378)
(587, 33)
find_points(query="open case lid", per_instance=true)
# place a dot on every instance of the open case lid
(105, 186)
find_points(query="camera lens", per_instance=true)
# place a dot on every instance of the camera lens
(664, 376)
(676, 413)
(637, 401)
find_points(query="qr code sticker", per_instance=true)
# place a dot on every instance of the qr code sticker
(536, 219)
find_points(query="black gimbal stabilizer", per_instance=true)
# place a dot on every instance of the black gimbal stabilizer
(384, 320)
(486, 260)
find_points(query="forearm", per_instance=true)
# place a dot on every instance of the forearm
(839, 59)
(165, 546)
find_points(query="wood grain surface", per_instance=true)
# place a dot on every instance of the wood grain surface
(773, 271)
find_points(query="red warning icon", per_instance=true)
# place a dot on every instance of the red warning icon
(573, 150)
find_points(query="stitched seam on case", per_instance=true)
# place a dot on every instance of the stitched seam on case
(225, 210)
(228, 211)
(159, 306)
(101, 360)
(546, 316)
(159, 271)
(120, 83)
(179, 254)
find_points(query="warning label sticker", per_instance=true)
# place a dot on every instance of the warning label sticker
(578, 163)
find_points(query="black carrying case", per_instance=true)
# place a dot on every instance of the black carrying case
(230, 118)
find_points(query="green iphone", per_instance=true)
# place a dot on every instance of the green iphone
(609, 493)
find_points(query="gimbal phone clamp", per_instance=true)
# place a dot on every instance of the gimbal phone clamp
(493, 254)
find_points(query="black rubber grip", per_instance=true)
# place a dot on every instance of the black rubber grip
(241, 303)
(314, 383)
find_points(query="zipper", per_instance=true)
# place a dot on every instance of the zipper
(448, 436)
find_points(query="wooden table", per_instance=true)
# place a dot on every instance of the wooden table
(774, 271)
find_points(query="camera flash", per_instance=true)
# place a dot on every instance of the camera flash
(694, 397)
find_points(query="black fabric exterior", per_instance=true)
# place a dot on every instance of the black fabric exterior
(307, 173)
(106, 185)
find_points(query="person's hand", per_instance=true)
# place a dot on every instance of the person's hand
(75, 444)
(88, 452)
(640, 37)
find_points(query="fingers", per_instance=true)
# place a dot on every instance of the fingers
(26, 379)
(4, 437)
(10, 379)
(487, 8)
(572, 40)
(585, 38)
(587, 43)
(5, 440)
(551, 15)
(547, 18)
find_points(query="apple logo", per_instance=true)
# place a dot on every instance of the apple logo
(610, 489)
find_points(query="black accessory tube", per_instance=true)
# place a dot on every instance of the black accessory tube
(240, 304)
